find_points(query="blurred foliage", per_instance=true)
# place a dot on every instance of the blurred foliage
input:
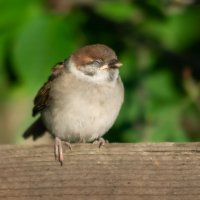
(157, 41)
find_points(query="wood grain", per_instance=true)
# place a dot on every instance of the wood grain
(162, 171)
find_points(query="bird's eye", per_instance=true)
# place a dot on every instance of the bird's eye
(97, 62)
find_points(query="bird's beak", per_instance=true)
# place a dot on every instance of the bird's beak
(115, 64)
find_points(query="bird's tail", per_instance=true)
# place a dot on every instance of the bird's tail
(36, 130)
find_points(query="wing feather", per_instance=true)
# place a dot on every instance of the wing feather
(42, 98)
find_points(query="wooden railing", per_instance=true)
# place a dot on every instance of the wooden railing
(162, 171)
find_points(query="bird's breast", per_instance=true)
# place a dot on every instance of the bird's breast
(81, 110)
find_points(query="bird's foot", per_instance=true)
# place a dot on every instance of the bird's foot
(58, 150)
(68, 145)
(101, 142)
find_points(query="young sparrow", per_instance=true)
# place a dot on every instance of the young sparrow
(81, 99)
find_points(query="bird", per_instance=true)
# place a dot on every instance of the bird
(81, 99)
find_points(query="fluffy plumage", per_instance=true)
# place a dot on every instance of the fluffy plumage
(82, 97)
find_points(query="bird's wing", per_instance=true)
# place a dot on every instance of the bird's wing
(42, 97)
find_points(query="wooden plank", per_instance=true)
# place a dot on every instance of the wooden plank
(162, 171)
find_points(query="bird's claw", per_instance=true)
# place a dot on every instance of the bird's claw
(101, 142)
(58, 150)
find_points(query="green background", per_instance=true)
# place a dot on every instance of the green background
(158, 43)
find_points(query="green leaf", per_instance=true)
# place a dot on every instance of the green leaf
(159, 85)
(44, 41)
(165, 132)
(116, 10)
(12, 12)
(129, 68)
(178, 31)
(164, 122)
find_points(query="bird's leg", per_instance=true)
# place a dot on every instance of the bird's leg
(100, 141)
(58, 150)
